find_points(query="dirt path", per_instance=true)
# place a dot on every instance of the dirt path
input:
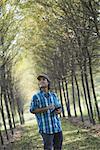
(26, 137)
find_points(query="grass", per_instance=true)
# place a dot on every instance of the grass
(75, 138)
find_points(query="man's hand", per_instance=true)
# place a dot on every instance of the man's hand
(51, 106)
(44, 109)
(58, 111)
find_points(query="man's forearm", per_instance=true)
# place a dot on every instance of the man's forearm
(40, 110)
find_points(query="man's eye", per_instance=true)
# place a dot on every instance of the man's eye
(43, 78)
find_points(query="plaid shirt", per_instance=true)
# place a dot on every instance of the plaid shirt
(48, 122)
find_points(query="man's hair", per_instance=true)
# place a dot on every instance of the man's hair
(48, 85)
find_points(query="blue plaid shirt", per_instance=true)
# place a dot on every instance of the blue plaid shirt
(48, 121)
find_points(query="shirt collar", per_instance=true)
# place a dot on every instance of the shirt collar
(45, 94)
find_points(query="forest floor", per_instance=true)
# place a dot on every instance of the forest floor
(76, 136)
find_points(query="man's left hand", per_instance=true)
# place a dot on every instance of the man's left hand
(58, 111)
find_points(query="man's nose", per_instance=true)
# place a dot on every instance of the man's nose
(41, 80)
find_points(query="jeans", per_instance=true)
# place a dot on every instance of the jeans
(52, 141)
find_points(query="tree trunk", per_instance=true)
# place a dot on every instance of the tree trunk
(1, 138)
(3, 89)
(88, 91)
(8, 111)
(3, 117)
(79, 101)
(73, 94)
(11, 107)
(61, 99)
(92, 84)
(68, 102)
(84, 90)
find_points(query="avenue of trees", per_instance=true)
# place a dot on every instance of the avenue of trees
(59, 37)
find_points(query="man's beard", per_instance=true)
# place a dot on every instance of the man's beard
(42, 86)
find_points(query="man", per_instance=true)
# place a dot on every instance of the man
(46, 107)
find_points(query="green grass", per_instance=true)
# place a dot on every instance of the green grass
(75, 138)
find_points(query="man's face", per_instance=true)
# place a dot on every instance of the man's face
(43, 82)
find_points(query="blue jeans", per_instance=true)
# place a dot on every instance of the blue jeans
(52, 141)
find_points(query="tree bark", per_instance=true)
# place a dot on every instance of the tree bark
(63, 112)
(85, 96)
(88, 91)
(68, 101)
(3, 116)
(92, 84)
(3, 89)
(79, 101)
(1, 138)
(73, 94)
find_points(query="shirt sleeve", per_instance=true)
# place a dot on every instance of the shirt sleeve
(57, 101)
(34, 103)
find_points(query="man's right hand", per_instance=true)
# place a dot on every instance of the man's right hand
(51, 106)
